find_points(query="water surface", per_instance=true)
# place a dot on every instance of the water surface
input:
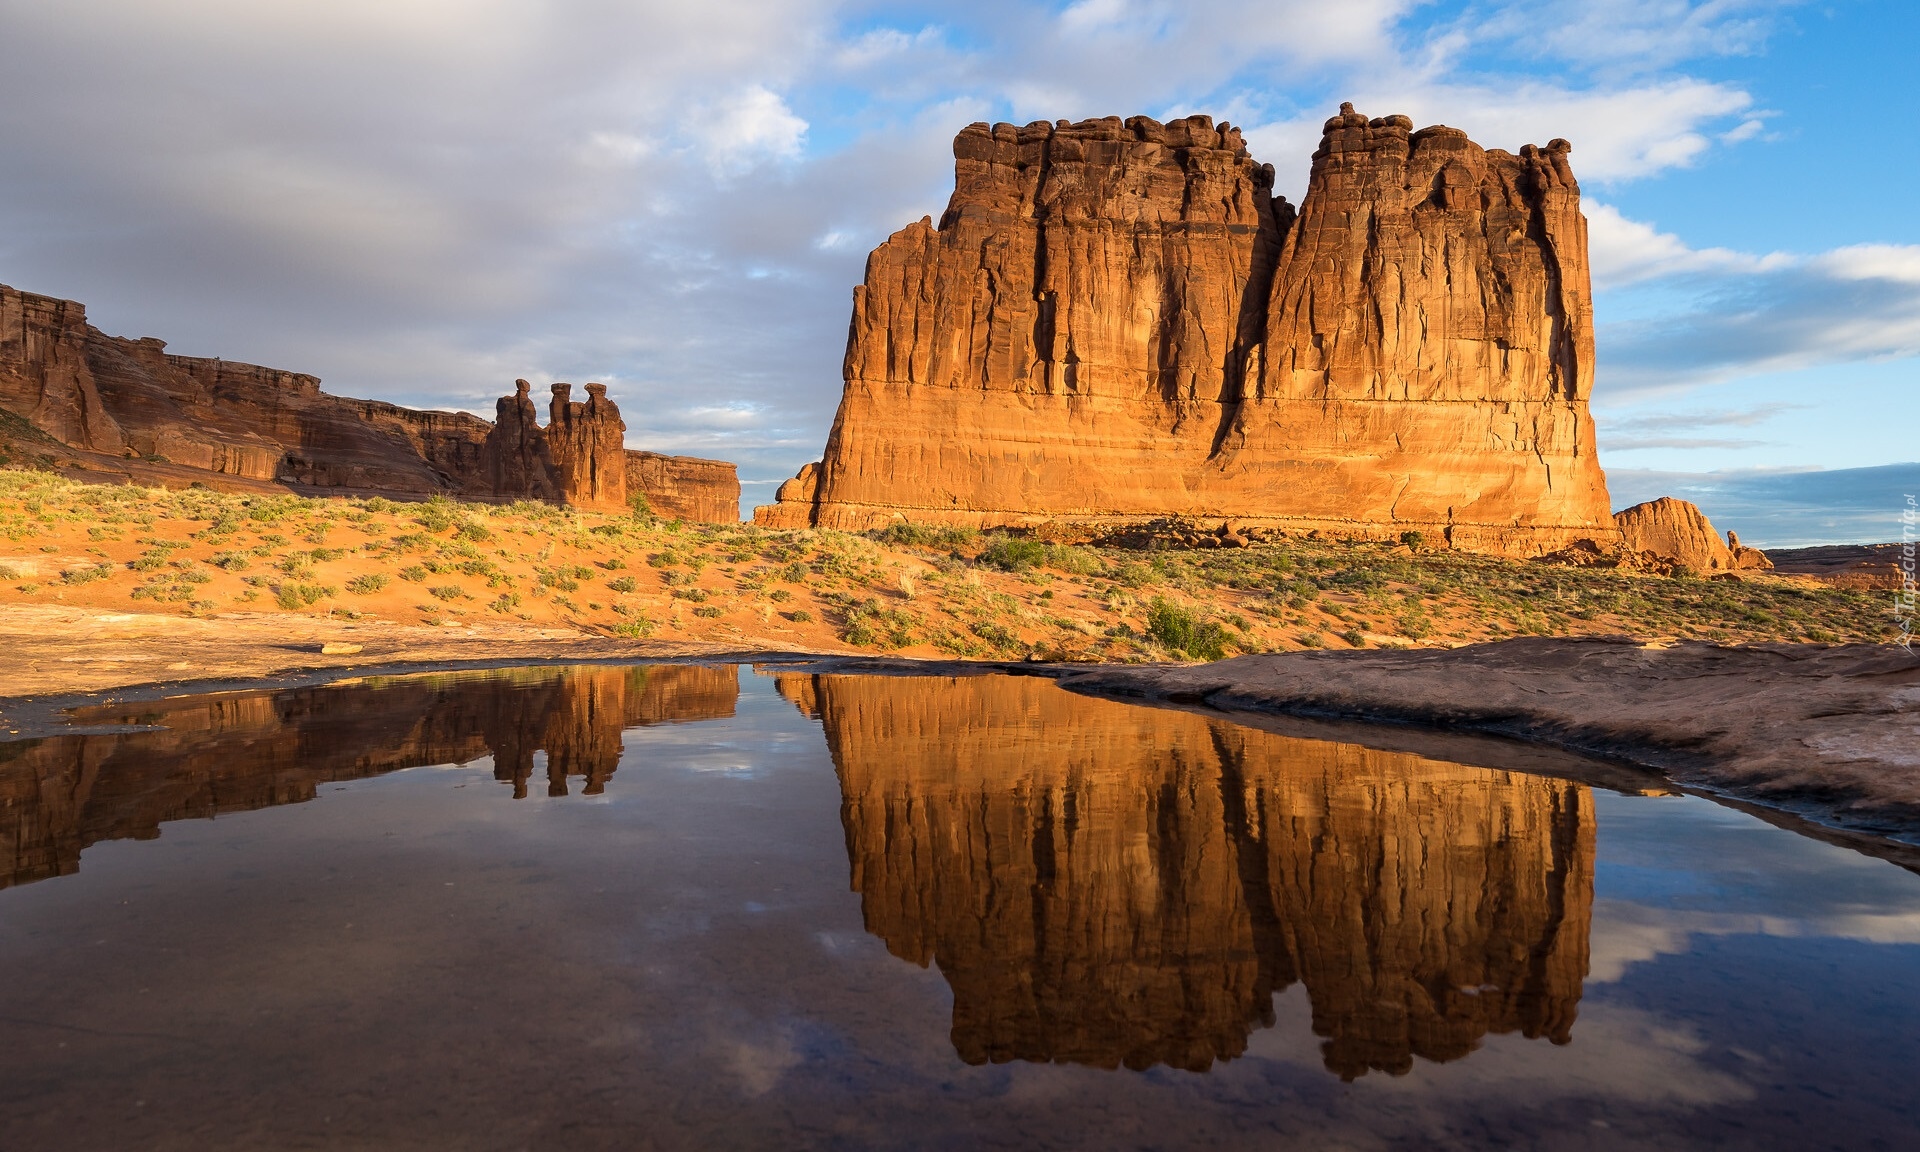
(699, 906)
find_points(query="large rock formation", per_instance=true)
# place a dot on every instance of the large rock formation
(1118, 319)
(131, 410)
(207, 757)
(1107, 884)
(1679, 531)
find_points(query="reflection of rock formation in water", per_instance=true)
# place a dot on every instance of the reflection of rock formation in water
(236, 753)
(1107, 884)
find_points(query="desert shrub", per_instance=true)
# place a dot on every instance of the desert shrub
(622, 584)
(779, 595)
(229, 561)
(997, 635)
(414, 573)
(710, 612)
(1355, 637)
(1181, 630)
(294, 597)
(800, 616)
(926, 535)
(634, 629)
(476, 533)
(697, 595)
(640, 508)
(504, 603)
(366, 585)
(1014, 554)
(446, 592)
(1413, 539)
(1311, 640)
(88, 574)
(438, 514)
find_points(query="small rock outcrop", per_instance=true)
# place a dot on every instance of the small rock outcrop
(129, 410)
(1678, 531)
(1118, 320)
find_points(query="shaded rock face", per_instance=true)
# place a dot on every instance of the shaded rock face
(1680, 532)
(1112, 885)
(131, 409)
(238, 753)
(685, 487)
(1119, 320)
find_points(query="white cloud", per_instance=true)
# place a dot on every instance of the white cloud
(750, 128)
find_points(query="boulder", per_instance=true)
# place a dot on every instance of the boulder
(1679, 532)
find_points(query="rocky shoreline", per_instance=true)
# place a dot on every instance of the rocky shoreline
(1827, 734)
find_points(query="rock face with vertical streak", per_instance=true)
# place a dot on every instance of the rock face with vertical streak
(1117, 319)
(588, 445)
(131, 410)
(1113, 885)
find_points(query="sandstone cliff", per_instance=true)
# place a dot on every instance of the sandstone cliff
(1117, 319)
(1679, 531)
(130, 409)
(1107, 884)
(239, 753)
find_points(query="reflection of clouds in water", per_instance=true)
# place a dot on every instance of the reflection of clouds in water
(1687, 867)
(1625, 934)
(1618, 1054)
(761, 1064)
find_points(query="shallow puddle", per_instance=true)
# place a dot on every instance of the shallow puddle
(683, 906)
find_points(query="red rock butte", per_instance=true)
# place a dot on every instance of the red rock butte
(129, 410)
(1118, 319)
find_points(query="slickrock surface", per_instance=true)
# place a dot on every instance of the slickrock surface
(1169, 873)
(1828, 733)
(209, 756)
(129, 411)
(1118, 320)
(1679, 531)
(1850, 565)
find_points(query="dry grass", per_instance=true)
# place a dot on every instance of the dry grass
(908, 590)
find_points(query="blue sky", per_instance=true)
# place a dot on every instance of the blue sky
(421, 200)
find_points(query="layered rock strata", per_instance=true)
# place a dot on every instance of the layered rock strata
(1118, 319)
(237, 753)
(130, 409)
(1112, 885)
(1679, 531)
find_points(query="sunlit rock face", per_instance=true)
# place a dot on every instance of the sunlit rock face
(256, 750)
(1118, 319)
(1111, 885)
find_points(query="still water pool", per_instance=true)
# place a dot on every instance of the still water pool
(687, 906)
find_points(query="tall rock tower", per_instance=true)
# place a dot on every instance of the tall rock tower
(1117, 319)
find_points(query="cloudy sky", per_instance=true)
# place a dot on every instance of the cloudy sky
(420, 200)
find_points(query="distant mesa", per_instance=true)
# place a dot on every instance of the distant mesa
(128, 410)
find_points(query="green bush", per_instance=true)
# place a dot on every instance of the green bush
(926, 535)
(1180, 630)
(1355, 637)
(367, 585)
(800, 616)
(623, 584)
(294, 597)
(1014, 554)
(446, 592)
(413, 572)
